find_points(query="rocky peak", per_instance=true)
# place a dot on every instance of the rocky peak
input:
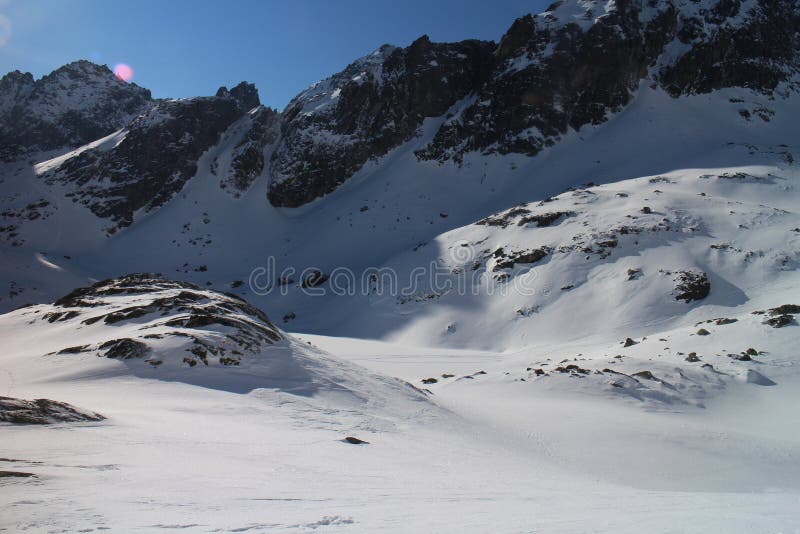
(577, 63)
(154, 159)
(71, 106)
(731, 43)
(14, 87)
(375, 104)
(245, 94)
(516, 38)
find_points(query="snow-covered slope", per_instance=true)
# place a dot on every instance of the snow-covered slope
(505, 449)
(618, 260)
(150, 327)
(580, 246)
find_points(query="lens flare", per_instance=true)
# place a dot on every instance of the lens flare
(123, 72)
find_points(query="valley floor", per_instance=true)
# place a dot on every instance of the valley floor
(490, 454)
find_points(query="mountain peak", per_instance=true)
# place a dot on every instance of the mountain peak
(73, 105)
(246, 94)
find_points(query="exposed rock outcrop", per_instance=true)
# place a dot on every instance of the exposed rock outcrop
(42, 412)
(211, 327)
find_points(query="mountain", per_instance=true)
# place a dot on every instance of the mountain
(484, 280)
(147, 163)
(576, 64)
(73, 105)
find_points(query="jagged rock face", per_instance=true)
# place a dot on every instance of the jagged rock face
(579, 62)
(375, 104)
(171, 319)
(15, 87)
(248, 157)
(552, 74)
(245, 93)
(71, 106)
(156, 158)
(574, 65)
(759, 53)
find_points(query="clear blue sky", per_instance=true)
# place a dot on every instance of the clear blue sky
(180, 48)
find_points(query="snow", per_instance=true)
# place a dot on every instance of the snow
(630, 439)
(103, 144)
(495, 455)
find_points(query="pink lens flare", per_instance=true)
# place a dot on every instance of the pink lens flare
(123, 72)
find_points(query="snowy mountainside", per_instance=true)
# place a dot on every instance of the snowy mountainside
(75, 104)
(549, 284)
(198, 232)
(155, 156)
(577, 64)
(679, 369)
(376, 104)
(622, 257)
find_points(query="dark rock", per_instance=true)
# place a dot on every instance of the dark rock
(703, 332)
(504, 218)
(181, 306)
(16, 474)
(380, 102)
(544, 219)
(628, 342)
(314, 279)
(779, 321)
(355, 441)
(785, 309)
(692, 285)
(507, 260)
(571, 369)
(42, 412)
(124, 349)
(245, 94)
(429, 381)
(692, 357)
(758, 53)
(646, 375)
(74, 350)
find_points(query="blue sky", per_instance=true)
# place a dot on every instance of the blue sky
(179, 48)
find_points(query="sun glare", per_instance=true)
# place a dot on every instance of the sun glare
(123, 72)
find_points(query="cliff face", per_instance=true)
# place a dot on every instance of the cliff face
(374, 105)
(155, 157)
(71, 106)
(575, 64)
